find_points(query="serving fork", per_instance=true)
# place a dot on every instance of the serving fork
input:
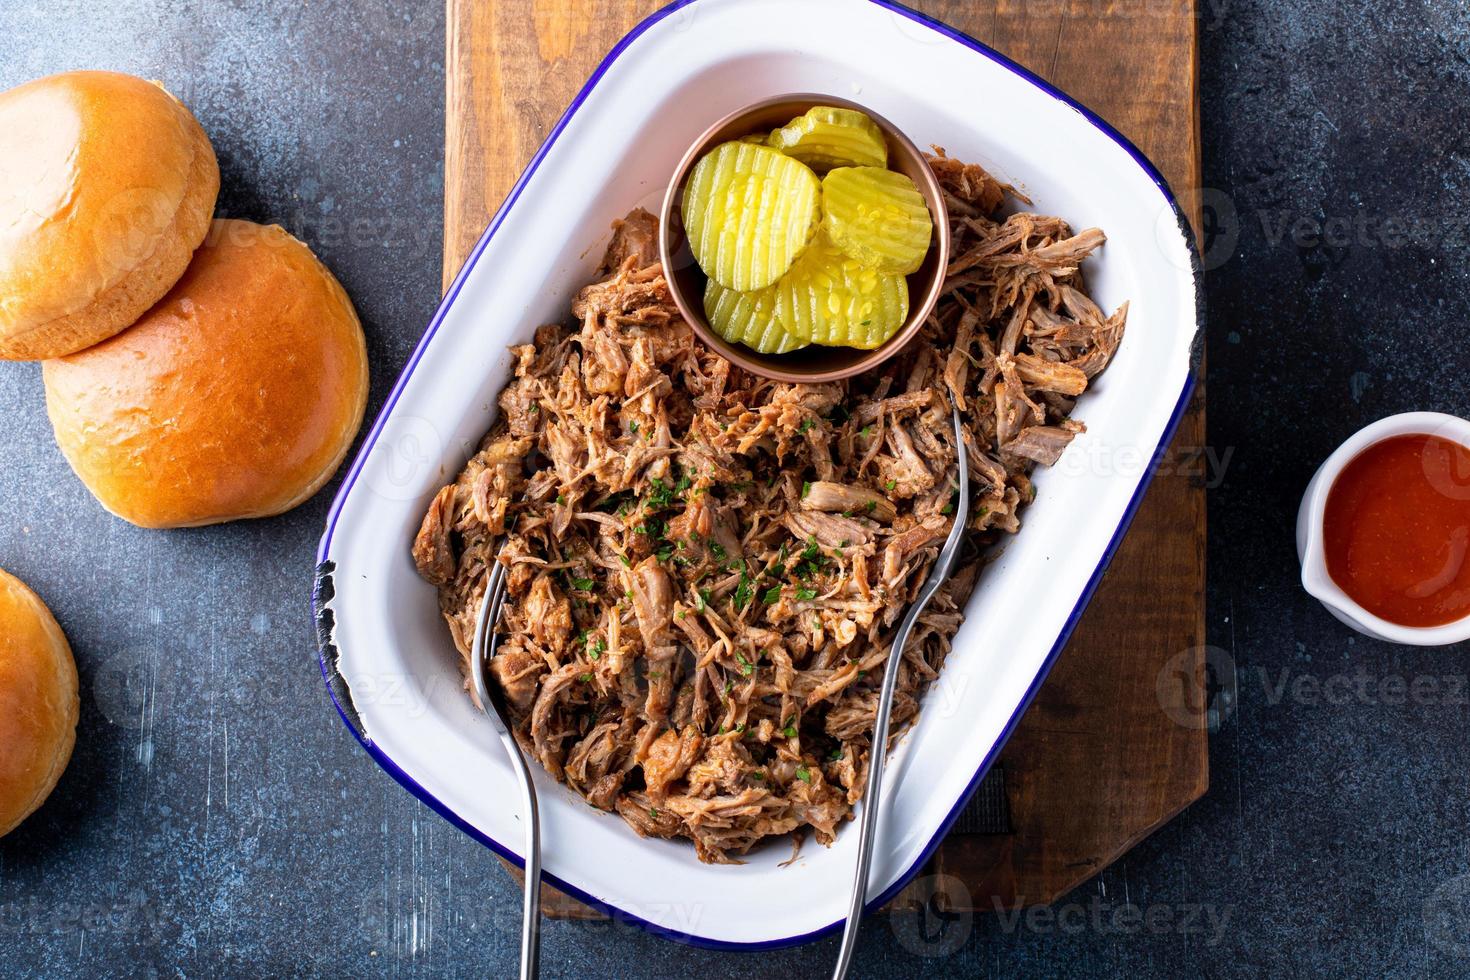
(878, 754)
(492, 702)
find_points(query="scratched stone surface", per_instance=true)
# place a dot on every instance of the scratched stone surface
(217, 819)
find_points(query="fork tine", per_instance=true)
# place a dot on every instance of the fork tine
(482, 646)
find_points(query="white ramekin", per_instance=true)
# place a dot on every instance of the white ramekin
(1309, 531)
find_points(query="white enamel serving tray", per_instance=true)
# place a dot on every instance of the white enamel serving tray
(386, 654)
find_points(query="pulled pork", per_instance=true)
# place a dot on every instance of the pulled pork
(706, 567)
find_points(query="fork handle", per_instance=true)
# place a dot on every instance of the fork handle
(878, 753)
(877, 757)
(531, 912)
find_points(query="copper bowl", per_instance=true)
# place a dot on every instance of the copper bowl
(814, 363)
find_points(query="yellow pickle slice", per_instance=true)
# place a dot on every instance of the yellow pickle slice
(748, 318)
(878, 217)
(831, 298)
(826, 136)
(748, 211)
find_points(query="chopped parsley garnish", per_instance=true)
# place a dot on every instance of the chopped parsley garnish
(653, 812)
(561, 498)
(789, 728)
(742, 591)
(865, 431)
(595, 650)
(806, 488)
(836, 754)
(803, 774)
(811, 560)
(625, 561)
(758, 776)
(633, 427)
(890, 485)
(804, 594)
(535, 406)
(661, 495)
(717, 549)
(746, 667)
(729, 686)
(583, 584)
(806, 424)
(584, 678)
(772, 595)
(870, 506)
(703, 600)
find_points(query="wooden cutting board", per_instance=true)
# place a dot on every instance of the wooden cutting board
(1115, 743)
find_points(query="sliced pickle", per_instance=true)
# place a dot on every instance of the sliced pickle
(878, 217)
(826, 137)
(831, 298)
(749, 210)
(748, 318)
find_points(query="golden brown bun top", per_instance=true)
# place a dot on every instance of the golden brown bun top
(101, 174)
(38, 702)
(236, 396)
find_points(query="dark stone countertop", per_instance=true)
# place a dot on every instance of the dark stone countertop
(218, 819)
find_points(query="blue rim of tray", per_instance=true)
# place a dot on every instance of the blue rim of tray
(1180, 407)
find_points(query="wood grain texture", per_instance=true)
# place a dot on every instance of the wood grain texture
(1115, 743)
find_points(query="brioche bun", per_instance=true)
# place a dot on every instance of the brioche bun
(38, 702)
(236, 396)
(107, 185)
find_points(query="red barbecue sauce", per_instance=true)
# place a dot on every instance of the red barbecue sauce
(1397, 530)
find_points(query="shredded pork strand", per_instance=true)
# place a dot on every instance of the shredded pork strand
(706, 567)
